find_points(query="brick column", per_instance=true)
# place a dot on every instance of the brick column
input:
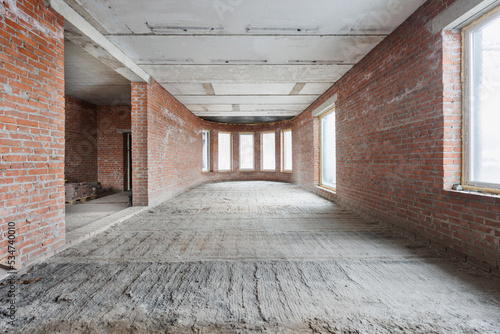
(140, 143)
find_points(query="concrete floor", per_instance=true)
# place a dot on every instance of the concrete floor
(253, 257)
(81, 214)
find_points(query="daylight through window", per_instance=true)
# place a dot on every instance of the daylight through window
(482, 101)
(224, 151)
(287, 150)
(328, 151)
(246, 151)
(268, 150)
(205, 135)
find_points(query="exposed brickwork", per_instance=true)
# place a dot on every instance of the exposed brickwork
(31, 127)
(80, 163)
(139, 126)
(398, 142)
(169, 135)
(398, 139)
(174, 145)
(111, 157)
(452, 107)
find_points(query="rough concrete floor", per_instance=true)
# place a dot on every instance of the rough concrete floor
(81, 214)
(253, 257)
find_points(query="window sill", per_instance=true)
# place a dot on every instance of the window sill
(331, 191)
(473, 194)
(478, 189)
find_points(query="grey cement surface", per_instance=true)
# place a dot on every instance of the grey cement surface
(82, 214)
(253, 257)
(86, 76)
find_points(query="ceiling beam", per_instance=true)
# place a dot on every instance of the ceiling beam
(460, 12)
(86, 28)
(297, 88)
(209, 89)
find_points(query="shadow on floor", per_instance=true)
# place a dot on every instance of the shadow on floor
(82, 214)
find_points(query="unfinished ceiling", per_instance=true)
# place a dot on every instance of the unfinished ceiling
(245, 61)
(89, 79)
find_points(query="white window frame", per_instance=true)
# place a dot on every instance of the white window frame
(230, 152)
(468, 107)
(322, 153)
(207, 169)
(283, 169)
(262, 151)
(241, 134)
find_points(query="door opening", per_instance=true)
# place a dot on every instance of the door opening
(127, 138)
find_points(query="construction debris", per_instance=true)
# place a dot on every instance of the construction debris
(79, 192)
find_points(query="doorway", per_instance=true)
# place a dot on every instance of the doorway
(127, 155)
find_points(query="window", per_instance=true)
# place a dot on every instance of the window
(224, 151)
(286, 150)
(328, 162)
(268, 151)
(205, 138)
(481, 100)
(246, 151)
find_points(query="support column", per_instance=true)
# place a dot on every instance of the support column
(140, 144)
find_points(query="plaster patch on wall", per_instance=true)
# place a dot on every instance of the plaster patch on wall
(408, 91)
(436, 54)
(18, 13)
(6, 89)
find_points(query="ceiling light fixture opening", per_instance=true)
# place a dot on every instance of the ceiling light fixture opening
(316, 62)
(184, 29)
(165, 61)
(239, 61)
(283, 30)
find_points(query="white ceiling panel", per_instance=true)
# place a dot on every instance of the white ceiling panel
(293, 108)
(246, 73)
(185, 89)
(235, 50)
(209, 107)
(315, 88)
(247, 113)
(236, 16)
(277, 107)
(254, 99)
(253, 89)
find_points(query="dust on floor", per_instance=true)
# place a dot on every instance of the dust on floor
(253, 257)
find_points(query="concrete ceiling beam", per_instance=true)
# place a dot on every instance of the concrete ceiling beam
(99, 39)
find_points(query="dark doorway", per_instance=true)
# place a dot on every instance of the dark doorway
(127, 155)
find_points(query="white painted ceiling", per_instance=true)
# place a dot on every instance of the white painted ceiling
(246, 60)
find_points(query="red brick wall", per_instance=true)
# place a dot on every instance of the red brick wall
(80, 162)
(31, 127)
(94, 148)
(111, 145)
(173, 142)
(398, 143)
